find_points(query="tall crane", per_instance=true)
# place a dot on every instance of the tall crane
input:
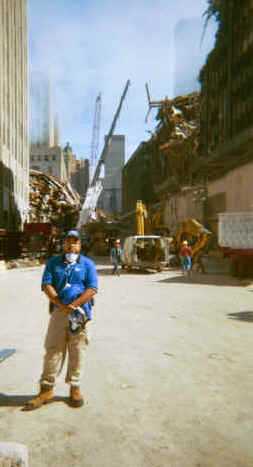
(95, 135)
(96, 186)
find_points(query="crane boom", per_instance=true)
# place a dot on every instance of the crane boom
(107, 140)
(96, 187)
(95, 135)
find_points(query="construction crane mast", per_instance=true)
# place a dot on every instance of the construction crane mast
(95, 136)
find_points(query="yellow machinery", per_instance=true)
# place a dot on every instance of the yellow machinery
(146, 223)
(142, 250)
(141, 215)
(192, 230)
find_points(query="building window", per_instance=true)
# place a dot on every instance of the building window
(46, 158)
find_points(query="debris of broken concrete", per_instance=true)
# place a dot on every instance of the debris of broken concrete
(52, 200)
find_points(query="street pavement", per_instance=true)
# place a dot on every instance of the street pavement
(168, 375)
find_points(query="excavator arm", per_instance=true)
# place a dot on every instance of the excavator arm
(192, 228)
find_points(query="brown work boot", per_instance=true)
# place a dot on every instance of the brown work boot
(45, 396)
(75, 398)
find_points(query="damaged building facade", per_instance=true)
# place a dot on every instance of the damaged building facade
(14, 141)
(200, 155)
(227, 112)
(162, 169)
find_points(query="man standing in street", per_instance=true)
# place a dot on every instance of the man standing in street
(70, 282)
(116, 254)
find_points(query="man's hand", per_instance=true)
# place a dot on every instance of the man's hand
(67, 309)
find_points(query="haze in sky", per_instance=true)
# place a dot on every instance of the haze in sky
(93, 46)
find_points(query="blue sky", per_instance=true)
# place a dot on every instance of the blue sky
(92, 46)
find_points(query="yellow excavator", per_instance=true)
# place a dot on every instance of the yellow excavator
(198, 237)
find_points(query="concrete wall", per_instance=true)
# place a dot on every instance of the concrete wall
(14, 140)
(231, 193)
(238, 188)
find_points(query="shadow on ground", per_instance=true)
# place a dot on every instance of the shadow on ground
(203, 279)
(108, 272)
(242, 316)
(21, 400)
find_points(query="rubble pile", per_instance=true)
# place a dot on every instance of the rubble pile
(52, 200)
(179, 117)
(177, 136)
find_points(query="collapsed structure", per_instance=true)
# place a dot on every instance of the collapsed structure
(177, 141)
(168, 161)
(52, 201)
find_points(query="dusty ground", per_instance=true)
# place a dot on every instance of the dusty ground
(168, 377)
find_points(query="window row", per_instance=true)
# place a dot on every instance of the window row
(43, 158)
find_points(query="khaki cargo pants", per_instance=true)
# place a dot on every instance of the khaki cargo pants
(59, 342)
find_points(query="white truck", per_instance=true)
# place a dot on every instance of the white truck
(235, 237)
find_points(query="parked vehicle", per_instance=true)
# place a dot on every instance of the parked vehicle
(145, 252)
(235, 237)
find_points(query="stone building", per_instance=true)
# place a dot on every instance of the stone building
(14, 140)
(111, 196)
(49, 160)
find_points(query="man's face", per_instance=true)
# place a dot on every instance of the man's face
(72, 245)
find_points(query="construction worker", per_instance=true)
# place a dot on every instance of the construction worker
(186, 258)
(116, 255)
(70, 282)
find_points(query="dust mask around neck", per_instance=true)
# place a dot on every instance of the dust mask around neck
(71, 257)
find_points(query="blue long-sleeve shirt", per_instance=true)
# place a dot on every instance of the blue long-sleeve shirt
(82, 275)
